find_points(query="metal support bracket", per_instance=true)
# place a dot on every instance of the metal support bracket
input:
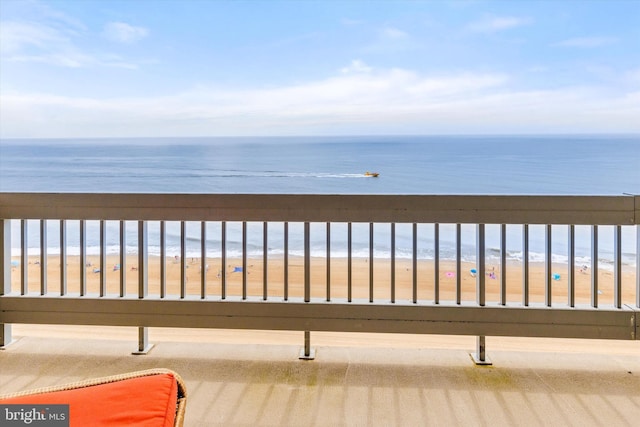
(480, 357)
(143, 342)
(6, 338)
(307, 353)
(307, 356)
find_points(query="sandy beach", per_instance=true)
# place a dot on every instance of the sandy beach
(360, 272)
(355, 377)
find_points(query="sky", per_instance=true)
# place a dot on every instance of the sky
(146, 68)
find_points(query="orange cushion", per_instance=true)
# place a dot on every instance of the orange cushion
(148, 401)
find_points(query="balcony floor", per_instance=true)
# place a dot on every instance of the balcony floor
(246, 378)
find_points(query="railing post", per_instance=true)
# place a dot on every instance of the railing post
(183, 259)
(415, 263)
(307, 353)
(328, 260)
(143, 284)
(371, 262)
(265, 259)
(204, 267)
(458, 263)
(503, 264)
(43, 257)
(63, 257)
(83, 257)
(24, 257)
(548, 266)
(436, 263)
(617, 266)
(5, 276)
(525, 264)
(285, 261)
(123, 258)
(480, 356)
(103, 258)
(393, 262)
(571, 262)
(638, 266)
(594, 266)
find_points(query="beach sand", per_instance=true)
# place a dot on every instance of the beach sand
(360, 281)
(360, 273)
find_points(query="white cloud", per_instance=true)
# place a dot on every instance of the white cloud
(52, 44)
(376, 101)
(497, 23)
(124, 33)
(19, 36)
(390, 40)
(587, 42)
(393, 33)
(633, 76)
(356, 66)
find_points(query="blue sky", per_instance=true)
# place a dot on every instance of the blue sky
(221, 68)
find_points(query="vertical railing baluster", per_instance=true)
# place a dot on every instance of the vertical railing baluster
(244, 260)
(328, 261)
(143, 259)
(5, 276)
(436, 263)
(307, 262)
(265, 258)
(223, 259)
(393, 262)
(481, 264)
(480, 357)
(415, 263)
(183, 261)
(63, 257)
(123, 258)
(571, 275)
(43, 257)
(503, 264)
(163, 259)
(143, 283)
(24, 257)
(370, 262)
(638, 266)
(286, 261)
(458, 263)
(349, 272)
(548, 266)
(203, 260)
(617, 266)
(594, 266)
(103, 258)
(83, 257)
(307, 353)
(525, 264)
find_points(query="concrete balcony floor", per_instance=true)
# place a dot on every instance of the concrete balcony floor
(247, 378)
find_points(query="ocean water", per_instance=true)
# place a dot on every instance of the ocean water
(578, 165)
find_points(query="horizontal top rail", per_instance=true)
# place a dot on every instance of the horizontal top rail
(471, 209)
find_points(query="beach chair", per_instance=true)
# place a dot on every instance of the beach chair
(155, 397)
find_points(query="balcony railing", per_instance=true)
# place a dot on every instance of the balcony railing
(374, 263)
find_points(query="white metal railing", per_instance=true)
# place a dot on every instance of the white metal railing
(293, 301)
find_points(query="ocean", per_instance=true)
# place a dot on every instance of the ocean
(551, 165)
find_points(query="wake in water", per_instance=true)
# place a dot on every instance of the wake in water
(281, 174)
